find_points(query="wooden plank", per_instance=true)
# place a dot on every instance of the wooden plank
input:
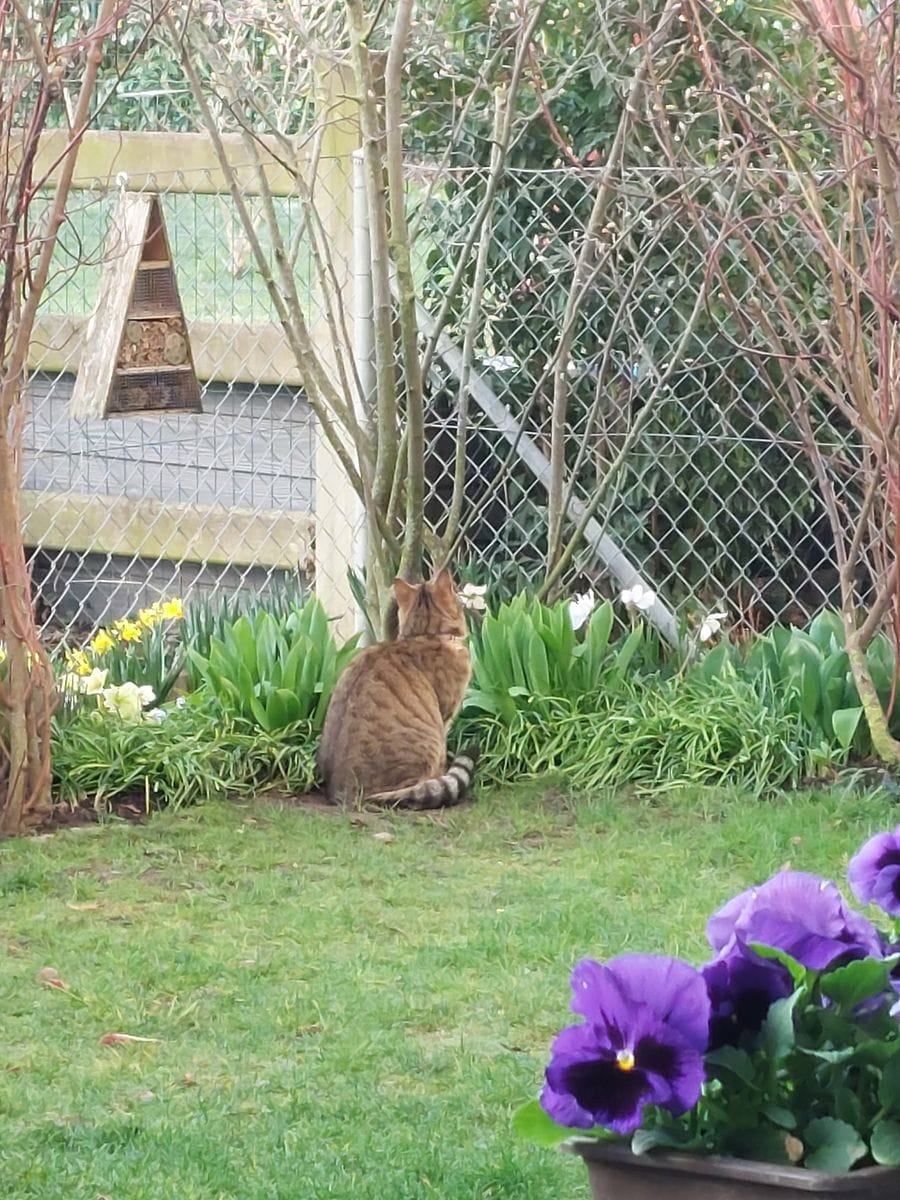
(230, 351)
(169, 162)
(103, 332)
(175, 532)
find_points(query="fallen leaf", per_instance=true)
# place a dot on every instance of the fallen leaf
(794, 1148)
(50, 977)
(383, 836)
(122, 1039)
(87, 906)
(188, 1080)
(147, 1096)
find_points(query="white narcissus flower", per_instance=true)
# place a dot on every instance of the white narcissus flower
(471, 595)
(91, 684)
(127, 700)
(638, 596)
(156, 716)
(94, 682)
(580, 608)
(712, 623)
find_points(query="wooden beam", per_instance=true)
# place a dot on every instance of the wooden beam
(226, 351)
(168, 162)
(175, 532)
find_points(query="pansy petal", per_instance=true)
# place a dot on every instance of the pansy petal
(721, 925)
(596, 993)
(672, 989)
(886, 892)
(565, 1109)
(866, 864)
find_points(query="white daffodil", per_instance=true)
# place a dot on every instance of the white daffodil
(127, 700)
(91, 684)
(94, 682)
(472, 596)
(580, 608)
(156, 716)
(639, 597)
(712, 623)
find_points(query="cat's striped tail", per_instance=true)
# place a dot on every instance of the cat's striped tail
(440, 792)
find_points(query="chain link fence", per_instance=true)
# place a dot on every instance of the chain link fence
(713, 500)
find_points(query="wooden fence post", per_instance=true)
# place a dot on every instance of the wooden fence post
(340, 518)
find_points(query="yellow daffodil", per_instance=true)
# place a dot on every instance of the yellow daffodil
(102, 642)
(128, 631)
(78, 661)
(148, 616)
(172, 610)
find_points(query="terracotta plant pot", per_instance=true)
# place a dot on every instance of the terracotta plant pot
(617, 1174)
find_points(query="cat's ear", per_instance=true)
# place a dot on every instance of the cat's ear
(405, 594)
(443, 584)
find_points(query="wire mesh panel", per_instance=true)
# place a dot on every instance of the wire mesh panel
(713, 496)
(220, 500)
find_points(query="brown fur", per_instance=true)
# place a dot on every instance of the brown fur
(385, 734)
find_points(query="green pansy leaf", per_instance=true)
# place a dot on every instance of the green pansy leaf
(645, 1140)
(857, 981)
(732, 1060)
(834, 1146)
(798, 971)
(886, 1143)
(532, 1123)
(778, 1028)
(889, 1087)
(780, 1116)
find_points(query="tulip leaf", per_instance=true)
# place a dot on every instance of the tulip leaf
(844, 722)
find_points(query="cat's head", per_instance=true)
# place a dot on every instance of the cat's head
(429, 608)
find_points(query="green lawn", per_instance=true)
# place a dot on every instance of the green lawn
(340, 1015)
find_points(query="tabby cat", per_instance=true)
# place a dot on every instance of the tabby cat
(385, 734)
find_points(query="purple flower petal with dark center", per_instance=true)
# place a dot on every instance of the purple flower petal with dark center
(640, 1045)
(874, 872)
(801, 914)
(742, 987)
(671, 988)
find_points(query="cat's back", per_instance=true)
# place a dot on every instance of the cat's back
(391, 685)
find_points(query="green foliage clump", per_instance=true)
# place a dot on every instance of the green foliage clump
(274, 671)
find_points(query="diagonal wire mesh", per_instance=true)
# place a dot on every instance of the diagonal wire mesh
(714, 500)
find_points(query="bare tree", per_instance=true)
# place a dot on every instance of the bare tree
(33, 72)
(801, 220)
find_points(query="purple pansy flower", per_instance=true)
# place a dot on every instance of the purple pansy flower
(874, 872)
(742, 987)
(645, 1032)
(801, 914)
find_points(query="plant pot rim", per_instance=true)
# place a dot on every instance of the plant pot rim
(766, 1174)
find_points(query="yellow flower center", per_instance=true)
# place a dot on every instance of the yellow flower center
(625, 1060)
